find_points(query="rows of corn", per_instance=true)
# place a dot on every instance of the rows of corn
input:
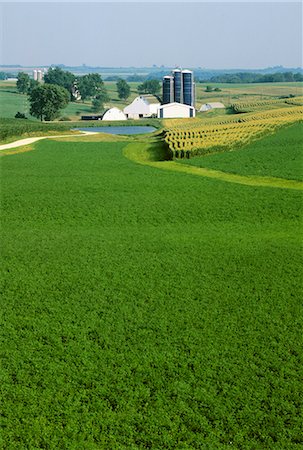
(192, 137)
(254, 106)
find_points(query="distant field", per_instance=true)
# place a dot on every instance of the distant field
(144, 308)
(278, 155)
(251, 91)
(11, 102)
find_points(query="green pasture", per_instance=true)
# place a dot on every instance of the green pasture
(231, 93)
(11, 102)
(278, 155)
(145, 308)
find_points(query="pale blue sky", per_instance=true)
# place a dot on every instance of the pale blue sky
(192, 34)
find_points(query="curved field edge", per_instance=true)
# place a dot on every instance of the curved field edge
(24, 145)
(277, 155)
(147, 154)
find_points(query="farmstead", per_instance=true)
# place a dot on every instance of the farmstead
(151, 279)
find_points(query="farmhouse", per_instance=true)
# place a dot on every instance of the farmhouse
(209, 106)
(174, 110)
(114, 114)
(142, 106)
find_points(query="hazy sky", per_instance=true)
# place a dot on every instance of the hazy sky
(213, 35)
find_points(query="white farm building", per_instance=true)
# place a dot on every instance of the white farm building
(209, 106)
(142, 106)
(114, 114)
(175, 110)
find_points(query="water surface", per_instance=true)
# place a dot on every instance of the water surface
(120, 130)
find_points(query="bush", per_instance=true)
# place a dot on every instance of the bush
(20, 115)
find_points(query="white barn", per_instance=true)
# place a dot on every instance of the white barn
(176, 110)
(142, 106)
(209, 106)
(114, 114)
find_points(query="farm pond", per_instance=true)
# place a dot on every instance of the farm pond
(120, 130)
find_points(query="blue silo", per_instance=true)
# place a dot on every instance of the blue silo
(168, 89)
(188, 87)
(178, 86)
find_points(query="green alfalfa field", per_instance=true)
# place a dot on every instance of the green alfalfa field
(145, 308)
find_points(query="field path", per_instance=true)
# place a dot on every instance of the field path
(27, 141)
(143, 154)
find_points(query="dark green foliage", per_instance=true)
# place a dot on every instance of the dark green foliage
(90, 85)
(100, 99)
(32, 84)
(3, 76)
(123, 89)
(23, 83)
(20, 115)
(63, 78)
(146, 309)
(47, 100)
(278, 155)
(149, 87)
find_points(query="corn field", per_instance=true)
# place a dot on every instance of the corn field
(187, 139)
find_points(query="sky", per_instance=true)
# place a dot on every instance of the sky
(217, 35)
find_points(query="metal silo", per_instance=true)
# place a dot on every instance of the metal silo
(168, 89)
(178, 86)
(188, 87)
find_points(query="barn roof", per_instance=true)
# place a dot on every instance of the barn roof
(151, 99)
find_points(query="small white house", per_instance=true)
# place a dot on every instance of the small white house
(142, 106)
(176, 110)
(209, 106)
(114, 114)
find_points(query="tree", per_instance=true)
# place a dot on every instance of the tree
(3, 76)
(149, 87)
(208, 89)
(23, 82)
(61, 78)
(123, 89)
(99, 100)
(47, 100)
(32, 84)
(90, 85)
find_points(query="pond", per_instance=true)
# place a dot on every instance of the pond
(120, 130)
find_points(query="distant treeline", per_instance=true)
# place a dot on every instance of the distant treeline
(248, 77)
(5, 76)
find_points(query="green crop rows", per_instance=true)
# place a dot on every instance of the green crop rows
(263, 157)
(146, 309)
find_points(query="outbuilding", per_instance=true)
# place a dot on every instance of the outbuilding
(142, 106)
(176, 110)
(209, 106)
(114, 114)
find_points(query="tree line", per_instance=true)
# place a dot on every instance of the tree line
(248, 77)
(60, 87)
